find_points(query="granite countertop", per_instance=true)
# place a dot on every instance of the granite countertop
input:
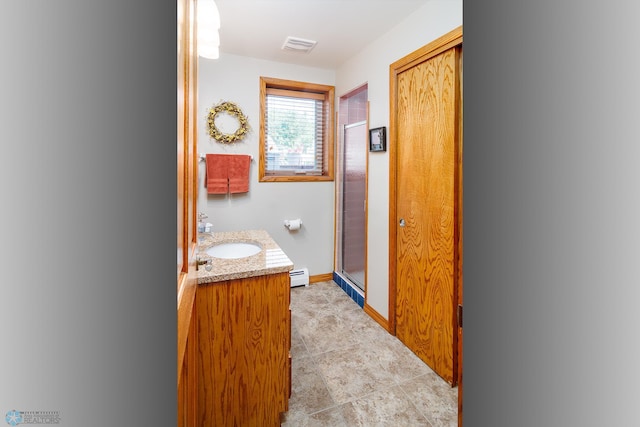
(268, 261)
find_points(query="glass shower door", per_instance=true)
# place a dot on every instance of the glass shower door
(353, 202)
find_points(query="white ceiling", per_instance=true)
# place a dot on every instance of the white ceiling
(258, 28)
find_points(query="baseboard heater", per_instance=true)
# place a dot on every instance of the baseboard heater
(299, 277)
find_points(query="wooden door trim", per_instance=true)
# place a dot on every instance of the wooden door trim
(460, 251)
(187, 198)
(451, 39)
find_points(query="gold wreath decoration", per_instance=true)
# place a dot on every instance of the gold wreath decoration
(234, 111)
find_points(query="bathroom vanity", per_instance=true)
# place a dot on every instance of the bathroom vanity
(243, 331)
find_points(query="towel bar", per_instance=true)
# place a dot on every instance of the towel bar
(204, 157)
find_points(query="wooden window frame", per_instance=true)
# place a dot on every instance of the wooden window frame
(305, 90)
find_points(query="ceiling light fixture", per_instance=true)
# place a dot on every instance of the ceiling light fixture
(208, 26)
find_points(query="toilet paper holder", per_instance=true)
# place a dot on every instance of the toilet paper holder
(293, 224)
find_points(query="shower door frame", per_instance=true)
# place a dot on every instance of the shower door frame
(341, 218)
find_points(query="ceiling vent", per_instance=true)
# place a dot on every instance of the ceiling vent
(295, 44)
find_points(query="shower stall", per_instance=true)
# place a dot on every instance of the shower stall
(352, 188)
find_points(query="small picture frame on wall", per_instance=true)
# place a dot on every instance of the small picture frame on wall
(378, 139)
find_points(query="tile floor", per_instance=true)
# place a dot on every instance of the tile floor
(348, 371)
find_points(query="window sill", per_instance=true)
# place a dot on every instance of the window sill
(296, 178)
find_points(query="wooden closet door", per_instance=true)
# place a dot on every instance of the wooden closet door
(426, 210)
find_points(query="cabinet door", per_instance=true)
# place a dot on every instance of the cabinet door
(244, 336)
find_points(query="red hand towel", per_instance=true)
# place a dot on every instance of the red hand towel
(216, 176)
(239, 173)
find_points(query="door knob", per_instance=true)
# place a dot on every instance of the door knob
(401, 222)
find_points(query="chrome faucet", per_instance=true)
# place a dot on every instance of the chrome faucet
(200, 262)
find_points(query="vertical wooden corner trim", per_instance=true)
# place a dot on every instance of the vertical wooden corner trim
(331, 133)
(393, 79)
(263, 107)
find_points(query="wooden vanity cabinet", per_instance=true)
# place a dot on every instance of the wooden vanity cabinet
(244, 339)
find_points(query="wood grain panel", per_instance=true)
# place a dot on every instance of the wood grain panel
(214, 354)
(244, 335)
(426, 200)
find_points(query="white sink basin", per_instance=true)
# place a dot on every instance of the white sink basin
(234, 250)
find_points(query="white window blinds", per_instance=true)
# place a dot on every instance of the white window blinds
(295, 126)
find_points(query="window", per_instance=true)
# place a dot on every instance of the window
(296, 131)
